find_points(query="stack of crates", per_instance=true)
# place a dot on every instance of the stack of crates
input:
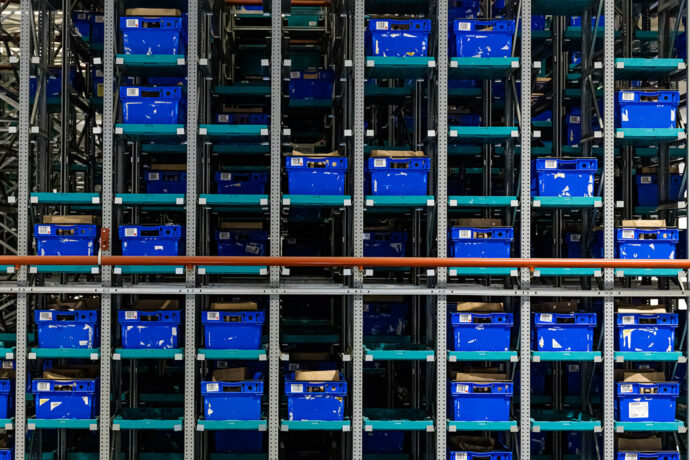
(641, 240)
(563, 331)
(397, 173)
(644, 448)
(60, 397)
(149, 35)
(483, 38)
(157, 240)
(166, 178)
(162, 105)
(645, 397)
(642, 329)
(241, 118)
(316, 175)
(563, 177)
(66, 236)
(479, 326)
(384, 243)
(151, 328)
(315, 395)
(7, 392)
(67, 329)
(480, 396)
(241, 182)
(230, 395)
(54, 82)
(233, 326)
(398, 37)
(480, 241)
(650, 109)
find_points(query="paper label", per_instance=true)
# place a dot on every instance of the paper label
(253, 249)
(154, 176)
(312, 23)
(133, 92)
(575, 237)
(296, 388)
(464, 233)
(628, 320)
(464, 26)
(8, 365)
(381, 25)
(462, 388)
(212, 387)
(626, 388)
(225, 176)
(82, 16)
(575, 119)
(573, 368)
(645, 179)
(98, 18)
(297, 162)
(551, 164)
(628, 234)
(379, 163)
(638, 409)
(628, 96)
(460, 455)
(132, 231)
(546, 317)
(44, 230)
(294, 75)
(132, 23)
(465, 318)
(630, 456)
(131, 315)
(45, 316)
(366, 236)
(223, 118)
(212, 315)
(43, 386)
(223, 235)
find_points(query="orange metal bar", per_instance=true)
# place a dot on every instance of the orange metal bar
(424, 262)
(294, 2)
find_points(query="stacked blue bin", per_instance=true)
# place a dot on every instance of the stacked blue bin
(65, 398)
(165, 181)
(311, 85)
(236, 330)
(473, 401)
(233, 400)
(646, 332)
(316, 175)
(646, 243)
(384, 318)
(159, 329)
(241, 182)
(398, 37)
(479, 331)
(241, 242)
(65, 239)
(67, 329)
(153, 35)
(563, 177)
(574, 244)
(563, 331)
(483, 38)
(162, 105)
(647, 109)
(648, 188)
(397, 176)
(241, 118)
(322, 400)
(158, 240)
(480, 242)
(6, 397)
(385, 244)
(646, 401)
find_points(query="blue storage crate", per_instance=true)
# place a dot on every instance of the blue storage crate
(483, 38)
(166, 81)
(538, 443)
(538, 22)
(646, 402)
(383, 442)
(97, 28)
(573, 242)
(166, 181)
(564, 331)
(638, 243)
(385, 244)
(681, 46)
(81, 24)
(480, 242)
(241, 118)
(158, 240)
(563, 177)
(315, 400)
(457, 84)
(546, 115)
(648, 188)
(153, 36)
(660, 455)
(574, 442)
(6, 398)
(232, 330)
(65, 399)
(385, 318)
(397, 176)
(233, 400)
(398, 37)
(241, 242)
(467, 455)
(480, 331)
(310, 85)
(464, 119)
(646, 331)
(485, 401)
(7, 454)
(573, 375)
(54, 82)
(152, 105)
(65, 240)
(239, 441)
(316, 175)
(647, 109)
(67, 329)
(576, 21)
(158, 330)
(241, 182)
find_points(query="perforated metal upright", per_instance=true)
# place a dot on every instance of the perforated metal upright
(687, 219)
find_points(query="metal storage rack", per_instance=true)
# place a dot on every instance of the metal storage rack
(32, 140)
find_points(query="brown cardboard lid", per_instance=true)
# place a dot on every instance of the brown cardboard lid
(7, 373)
(652, 443)
(310, 356)
(70, 219)
(674, 169)
(640, 376)
(568, 306)
(297, 153)
(168, 167)
(475, 222)
(477, 376)
(233, 225)
(85, 303)
(317, 376)
(639, 223)
(397, 154)
(152, 12)
(384, 298)
(156, 304)
(491, 307)
(641, 309)
(63, 374)
(472, 443)
(233, 306)
(234, 374)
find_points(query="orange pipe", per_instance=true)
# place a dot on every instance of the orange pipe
(294, 2)
(422, 262)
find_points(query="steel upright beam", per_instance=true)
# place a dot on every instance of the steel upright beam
(687, 203)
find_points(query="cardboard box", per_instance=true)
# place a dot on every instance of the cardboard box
(235, 374)
(75, 372)
(86, 303)
(472, 443)
(168, 167)
(639, 376)
(646, 309)
(234, 306)
(153, 12)
(674, 169)
(650, 444)
(479, 376)
(649, 223)
(397, 154)
(487, 307)
(156, 304)
(71, 219)
(569, 306)
(230, 225)
(317, 376)
(334, 153)
(476, 223)
(7, 373)
(308, 149)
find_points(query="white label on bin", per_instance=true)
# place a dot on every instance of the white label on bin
(154, 176)
(638, 409)
(253, 248)
(133, 92)
(573, 368)
(462, 388)
(43, 386)
(132, 23)
(223, 118)
(551, 164)
(223, 235)
(212, 315)
(132, 231)
(460, 455)
(225, 176)
(8, 365)
(44, 230)
(464, 26)
(464, 233)
(212, 387)
(312, 23)
(645, 179)
(365, 307)
(296, 388)
(131, 315)
(628, 320)
(98, 18)
(575, 237)
(546, 317)
(294, 75)
(626, 388)
(293, 366)
(630, 456)
(45, 316)
(628, 234)
(628, 96)
(381, 25)
(297, 161)
(465, 318)
(379, 163)
(366, 236)
(575, 119)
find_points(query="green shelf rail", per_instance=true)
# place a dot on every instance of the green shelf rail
(216, 200)
(232, 270)
(669, 356)
(563, 420)
(65, 198)
(62, 424)
(561, 8)
(236, 132)
(648, 136)
(169, 419)
(152, 199)
(148, 270)
(566, 272)
(397, 352)
(399, 201)
(218, 425)
(657, 272)
(149, 64)
(483, 271)
(7, 353)
(482, 134)
(543, 356)
(7, 423)
(457, 201)
(150, 132)
(646, 69)
(566, 202)
(455, 356)
(677, 426)
(398, 67)
(76, 269)
(315, 425)
(482, 68)
(317, 200)
(81, 353)
(239, 90)
(397, 420)
(131, 353)
(384, 93)
(253, 355)
(482, 425)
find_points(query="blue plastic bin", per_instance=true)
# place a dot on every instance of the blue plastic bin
(647, 109)
(480, 242)
(158, 330)
(97, 28)
(468, 455)
(54, 82)
(483, 38)
(6, 398)
(485, 401)
(397, 176)
(572, 127)
(564, 331)
(383, 442)
(564, 177)
(648, 188)
(464, 119)
(168, 80)
(166, 181)
(153, 36)
(152, 105)
(315, 400)
(310, 85)
(241, 182)
(81, 24)
(385, 318)
(67, 329)
(646, 402)
(241, 242)
(241, 118)
(538, 22)
(232, 330)
(239, 441)
(7, 454)
(576, 21)
(158, 240)
(65, 399)
(480, 331)
(233, 400)
(398, 37)
(661, 455)
(573, 376)
(646, 331)
(385, 244)
(638, 243)
(65, 240)
(316, 175)
(573, 242)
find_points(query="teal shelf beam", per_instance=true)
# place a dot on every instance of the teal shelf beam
(566, 202)
(148, 132)
(290, 338)
(669, 356)
(311, 103)
(242, 90)
(397, 420)
(565, 272)
(216, 200)
(145, 64)
(563, 420)
(65, 198)
(544, 124)
(387, 93)
(81, 353)
(561, 8)
(464, 92)
(151, 199)
(7, 423)
(241, 148)
(648, 136)
(510, 425)
(148, 419)
(483, 201)
(164, 148)
(658, 272)
(7, 353)
(245, 425)
(9, 269)
(232, 270)
(574, 33)
(652, 152)
(677, 426)
(317, 200)
(483, 271)
(397, 352)
(576, 93)
(148, 270)
(62, 424)
(542, 356)
(126, 353)
(398, 67)
(399, 201)
(237, 132)
(315, 425)
(482, 68)
(455, 356)
(82, 269)
(253, 355)
(646, 69)
(483, 134)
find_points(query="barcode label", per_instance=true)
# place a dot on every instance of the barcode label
(296, 388)
(365, 307)
(132, 23)
(460, 455)
(212, 315)
(645, 179)
(381, 25)
(43, 386)
(133, 92)
(464, 26)
(253, 249)
(546, 317)
(465, 318)
(99, 73)
(81, 16)
(628, 96)
(573, 368)
(8, 365)
(551, 164)
(44, 230)
(464, 233)
(638, 409)
(628, 234)
(379, 163)
(223, 118)
(575, 119)
(225, 176)
(575, 237)
(297, 162)
(131, 315)
(98, 18)
(312, 23)
(223, 235)
(154, 176)
(628, 320)
(630, 456)
(462, 388)
(45, 316)
(294, 75)
(132, 231)
(212, 387)
(367, 236)
(626, 388)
